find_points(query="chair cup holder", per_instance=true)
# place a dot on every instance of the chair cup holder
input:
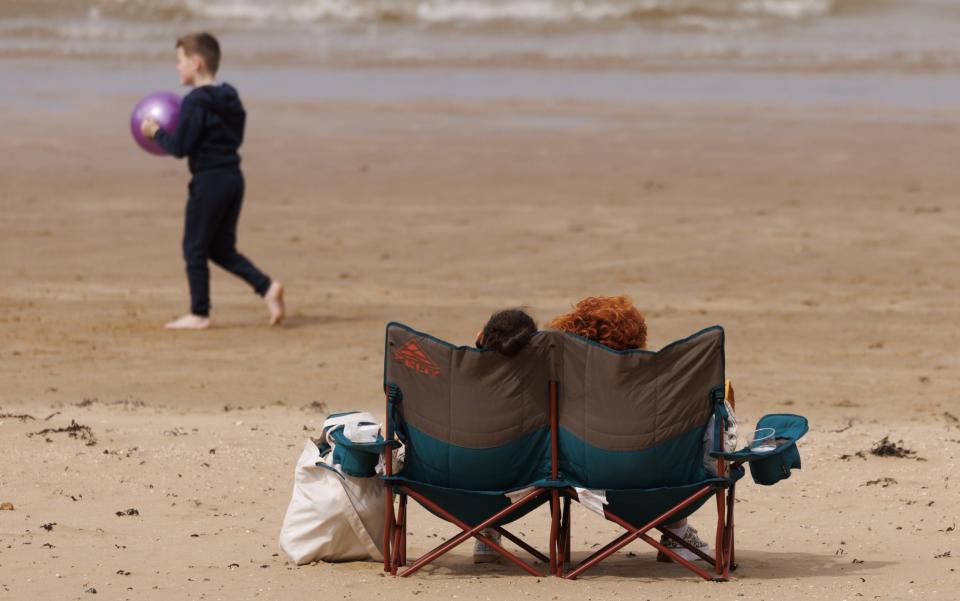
(770, 467)
(358, 459)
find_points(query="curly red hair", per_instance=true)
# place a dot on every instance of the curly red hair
(612, 321)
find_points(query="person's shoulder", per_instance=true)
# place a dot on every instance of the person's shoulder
(194, 98)
(231, 93)
(194, 94)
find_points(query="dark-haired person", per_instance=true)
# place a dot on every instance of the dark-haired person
(209, 132)
(506, 332)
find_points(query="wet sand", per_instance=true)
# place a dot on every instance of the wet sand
(822, 239)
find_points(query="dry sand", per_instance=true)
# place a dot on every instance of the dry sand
(824, 241)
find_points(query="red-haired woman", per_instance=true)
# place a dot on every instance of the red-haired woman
(615, 322)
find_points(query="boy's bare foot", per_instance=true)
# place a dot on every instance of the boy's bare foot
(274, 300)
(189, 322)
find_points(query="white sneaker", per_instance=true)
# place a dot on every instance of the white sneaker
(691, 537)
(484, 553)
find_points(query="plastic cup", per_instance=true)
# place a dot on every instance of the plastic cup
(763, 440)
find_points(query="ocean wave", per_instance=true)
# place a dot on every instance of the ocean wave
(501, 11)
(429, 11)
(642, 34)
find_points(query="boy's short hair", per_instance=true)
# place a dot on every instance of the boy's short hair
(203, 44)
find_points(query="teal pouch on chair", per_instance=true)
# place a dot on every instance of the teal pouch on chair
(772, 466)
(775, 467)
(358, 459)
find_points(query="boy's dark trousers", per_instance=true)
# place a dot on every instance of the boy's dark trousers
(210, 232)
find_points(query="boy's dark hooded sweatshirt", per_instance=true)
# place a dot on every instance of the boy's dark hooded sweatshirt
(209, 133)
(210, 129)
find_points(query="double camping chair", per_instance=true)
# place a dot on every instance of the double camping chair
(487, 439)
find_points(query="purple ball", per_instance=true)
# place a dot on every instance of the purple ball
(164, 108)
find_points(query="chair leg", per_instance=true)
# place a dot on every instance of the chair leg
(731, 500)
(721, 532)
(402, 550)
(733, 545)
(510, 536)
(554, 529)
(388, 526)
(724, 556)
(676, 558)
(397, 537)
(564, 555)
(669, 534)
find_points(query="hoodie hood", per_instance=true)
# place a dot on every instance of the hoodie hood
(223, 101)
(221, 98)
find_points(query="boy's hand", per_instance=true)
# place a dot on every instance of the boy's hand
(149, 127)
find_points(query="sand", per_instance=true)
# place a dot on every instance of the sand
(824, 241)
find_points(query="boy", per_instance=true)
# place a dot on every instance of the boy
(209, 132)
